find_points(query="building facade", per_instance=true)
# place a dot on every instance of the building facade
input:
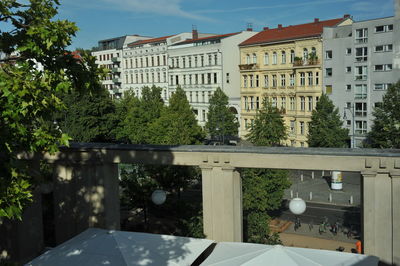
(202, 64)
(109, 55)
(283, 66)
(359, 66)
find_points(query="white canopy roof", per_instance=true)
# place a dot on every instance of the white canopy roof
(232, 254)
(102, 247)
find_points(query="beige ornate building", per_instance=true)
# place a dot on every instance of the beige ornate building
(283, 65)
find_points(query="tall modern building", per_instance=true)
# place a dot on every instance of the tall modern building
(109, 55)
(202, 64)
(360, 63)
(283, 66)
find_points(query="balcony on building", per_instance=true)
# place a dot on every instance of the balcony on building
(248, 66)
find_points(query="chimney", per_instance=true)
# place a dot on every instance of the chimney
(249, 27)
(266, 28)
(279, 26)
(195, 34)
(346, 16)
(316, 20)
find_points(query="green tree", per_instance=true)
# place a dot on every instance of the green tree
(30, 81)
(269, 128)
(221, 121)
(385, 131)
(263, 188)
(177, 124)
(325, 129)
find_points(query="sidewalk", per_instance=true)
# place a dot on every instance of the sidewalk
(320, 190)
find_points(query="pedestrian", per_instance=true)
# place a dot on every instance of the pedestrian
(358, 247)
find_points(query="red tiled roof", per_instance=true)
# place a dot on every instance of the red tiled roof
(160, 39)
(291, 32)
(208, 38)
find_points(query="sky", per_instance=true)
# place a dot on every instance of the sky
(103, 19)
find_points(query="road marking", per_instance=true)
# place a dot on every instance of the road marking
(331, 209)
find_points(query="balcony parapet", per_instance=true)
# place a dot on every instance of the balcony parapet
(248, 66)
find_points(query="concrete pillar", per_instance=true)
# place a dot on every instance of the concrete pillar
(377, 216)
(396, 216)
(222, 204)
(85, 195)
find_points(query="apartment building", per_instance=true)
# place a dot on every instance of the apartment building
(109, 55)
(202, 64)
(359, 65)
(283, 66)
(145, 63)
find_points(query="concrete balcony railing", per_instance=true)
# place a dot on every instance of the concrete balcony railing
(303, 63)
(248, 66)
(90, 171)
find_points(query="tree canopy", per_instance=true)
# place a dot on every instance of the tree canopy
(325, 128)
(385, 131)
(36, 69)
(269, 128)
(221, 121)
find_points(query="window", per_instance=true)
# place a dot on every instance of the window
(302, 79)
(361, 35)
(384, 28)
(283, 57)
(361, 54)
(384, 48)
(301, 128)
(251, 102)
(190, 61)
(245, 81)
(203, 114)
(348, 51)
(317, 78)
(305, 55)
(291, 82)
(361, 127)
(385, 67)
(283, 103)
(302, 103)
(251, 81)
(283, 80)
(361, 109)
(310, 103)
(292, 103)
(184, 79)
(274, 102)
(360, 72)
(197, 96)
(274, 82)
(254, 59)
(246, 106)
(328, 54)
(328, 72)
(328, 89)
(247, 59)
(190, 96)
(293, 127)
(348, 69)
(348, 123)
(274, 58)
(215, 59)
(266, 59)
(215, 78)
(195, 61)
(209, 60)
(246, 125)
(360, 91)
(208, 78)
(310, 78)
(266, 82)
(348, 87)
(381, 86)
(190, 79)
(292, 56)
(257, 103)
(227, 77)
(202, 60)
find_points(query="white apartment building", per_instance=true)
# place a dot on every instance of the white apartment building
(109, 55)
(145, 63)
(360, 63)
(202, 64)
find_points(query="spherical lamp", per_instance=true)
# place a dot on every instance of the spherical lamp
(158, 196)
(297, 206)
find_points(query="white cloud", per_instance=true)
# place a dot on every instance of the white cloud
(159, 7)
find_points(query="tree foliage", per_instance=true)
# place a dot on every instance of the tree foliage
(269, 128)
(385, 131)
(325, 129)
(221, 121)
(36, 71)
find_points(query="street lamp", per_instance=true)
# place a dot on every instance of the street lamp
(158, 196)
(351, 109)
(297, 206)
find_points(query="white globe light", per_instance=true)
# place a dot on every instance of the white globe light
(158, 196)
(297, 206)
